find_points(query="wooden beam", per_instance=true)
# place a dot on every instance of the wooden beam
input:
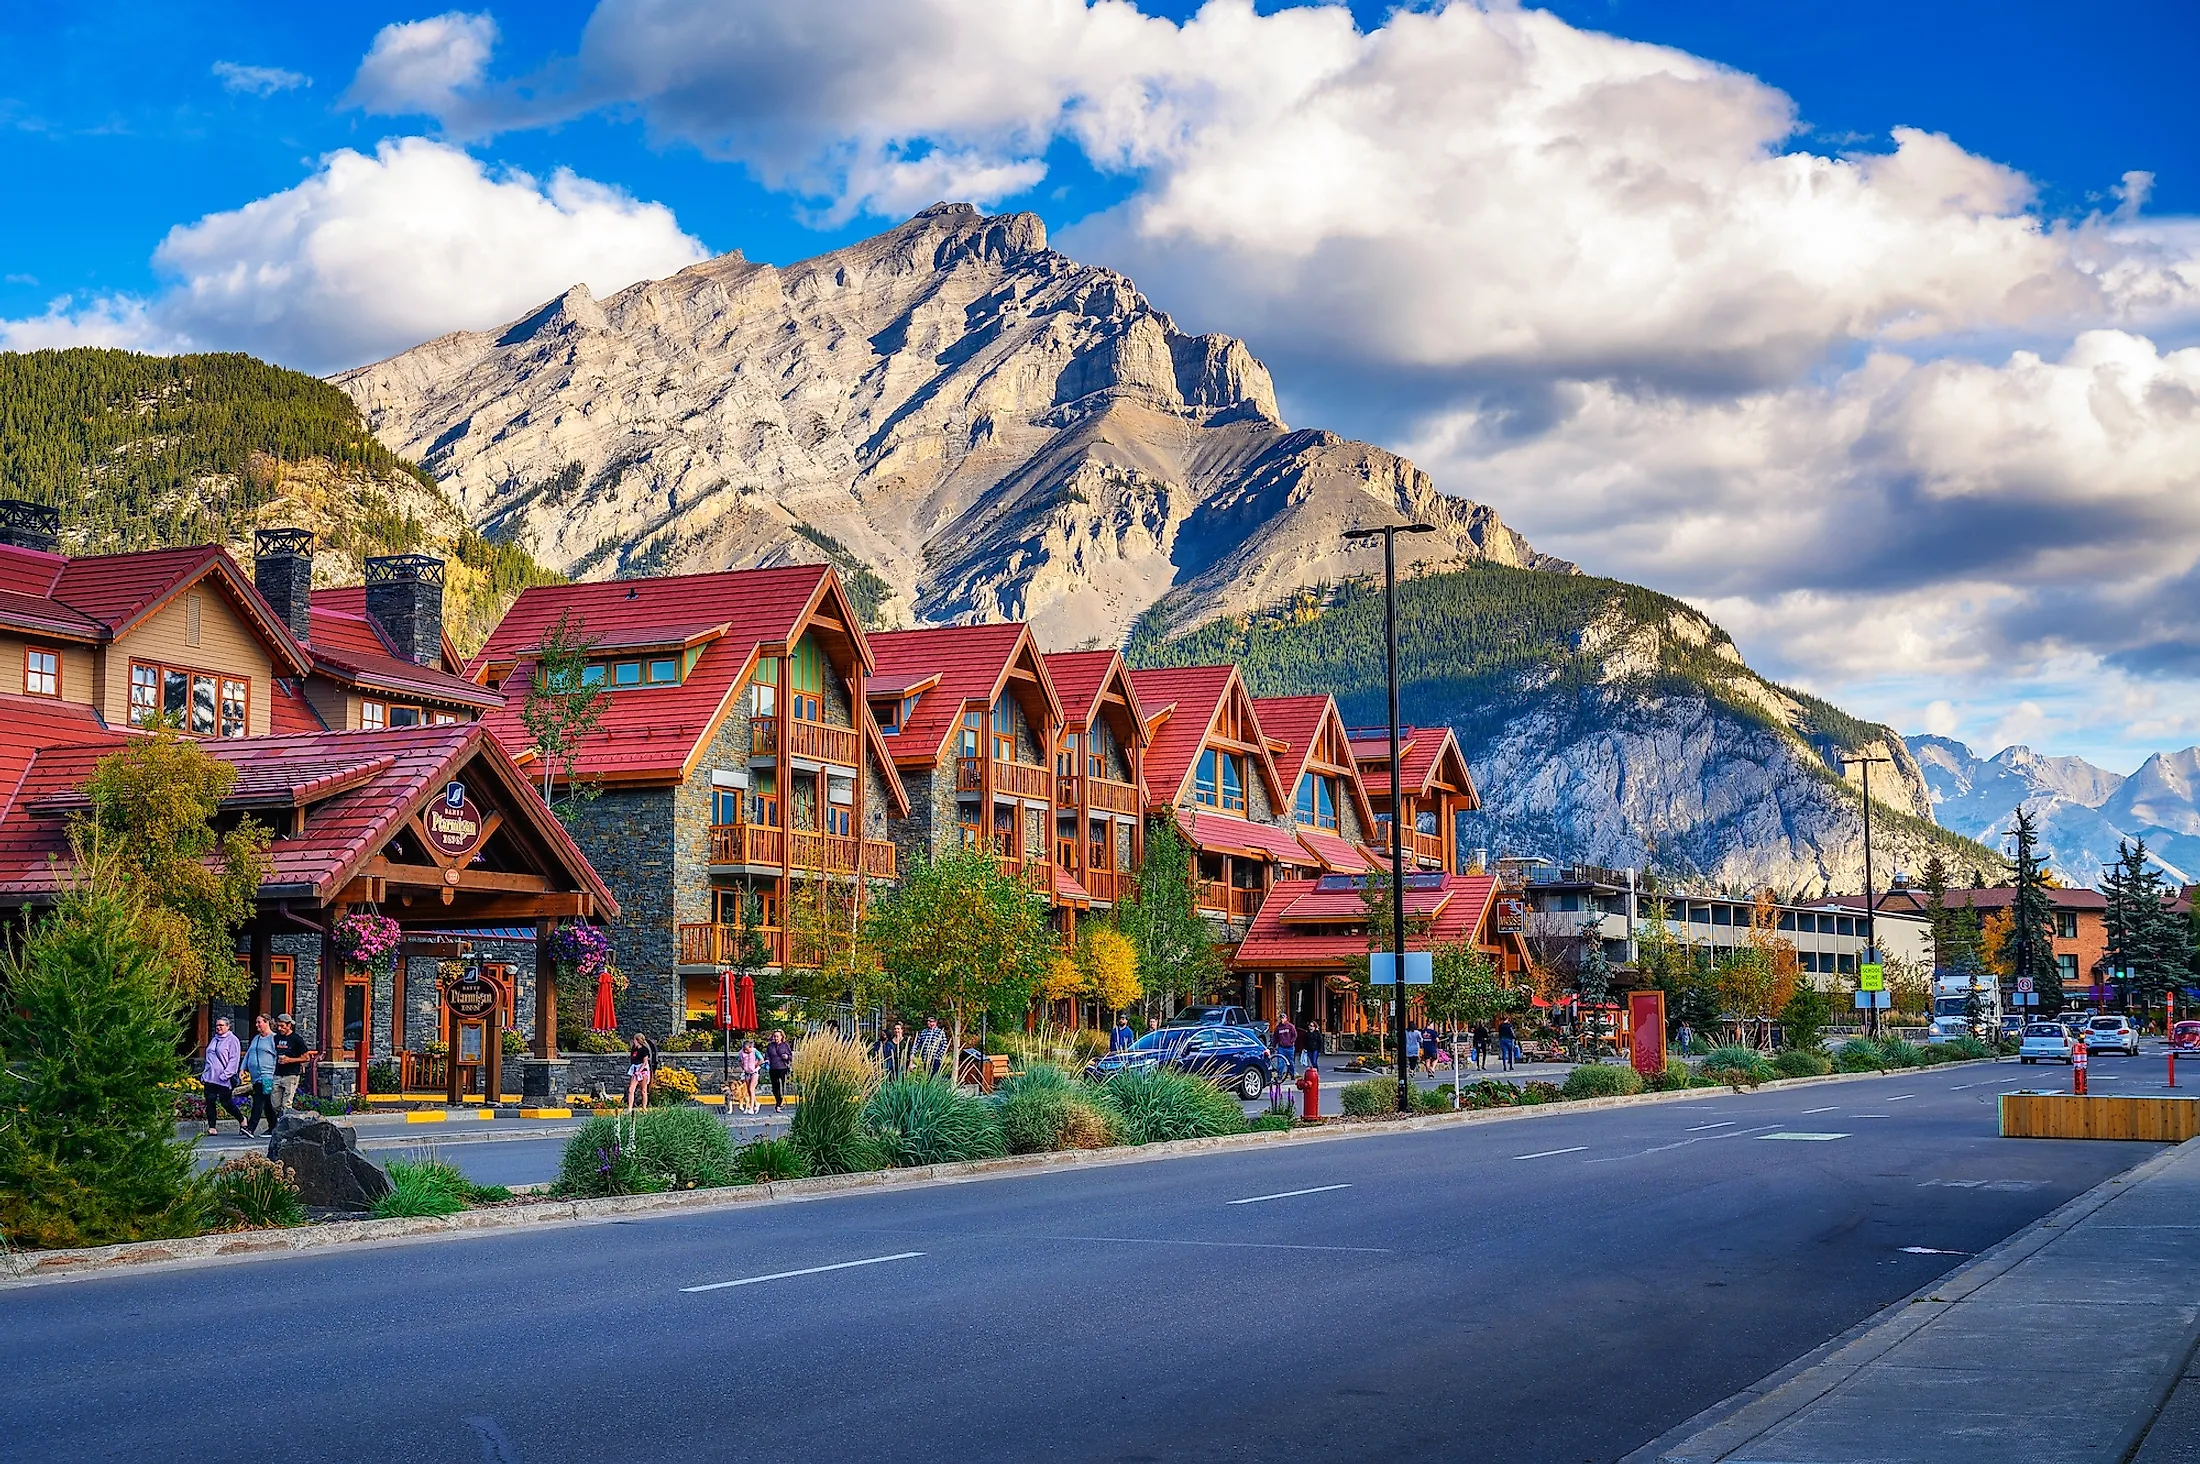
(468, 879)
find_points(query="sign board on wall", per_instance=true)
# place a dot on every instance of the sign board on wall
(1512, 916)
(453, 822)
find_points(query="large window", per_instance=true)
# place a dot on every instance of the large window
(1004, 729)
(806, 681)
(1220, 781)
(1318, 801)
(41, 672)
(203, 703)
(375, 715)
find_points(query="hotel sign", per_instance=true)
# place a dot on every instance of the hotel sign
(452, 822)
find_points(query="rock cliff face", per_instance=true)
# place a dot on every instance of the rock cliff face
(1608, 724)
(994, 430)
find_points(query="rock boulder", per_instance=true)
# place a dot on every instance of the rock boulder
(332, 1173)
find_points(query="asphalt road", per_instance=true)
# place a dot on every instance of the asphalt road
(1561, 1288)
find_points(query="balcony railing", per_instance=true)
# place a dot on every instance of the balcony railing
(811, 741)
(758, 844)
(746, 843)
(1010, 779)
(1100, 795)
(1425, 846)
(705, 944)
(1232, 902)
(1107, 885)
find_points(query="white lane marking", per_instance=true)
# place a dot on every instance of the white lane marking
(1827, 1109)
(1806, 1138)
(2009, 1186)
(1871, 1115)
(1318, 1189)
(1901, 1097)
(1926, 1250)
(1699, 1128)
(1547, 1153)
(807, 1271)
(1364, 1250)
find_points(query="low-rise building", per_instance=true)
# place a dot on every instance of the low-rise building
(2079, 919)
(1100, 774)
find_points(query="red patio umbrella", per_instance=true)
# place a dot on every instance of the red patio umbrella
(746, 1017)
(607, 1015)
(729, 1003)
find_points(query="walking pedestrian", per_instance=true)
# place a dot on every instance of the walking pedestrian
(892, 1051)
(641, 1067)
(778, 1062)
(1311, 1040)
(931, 1046)
(1122, 1036)
(1508, 1042)
(1687, 1035)
(751, 1064)
(291, 1055)
(218, 1074)
(1287, 1047)
(1481, 1044)
(259, 1070)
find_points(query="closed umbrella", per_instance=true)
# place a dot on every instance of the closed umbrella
(747, 1017)
(729, 1003)
(607, 1015)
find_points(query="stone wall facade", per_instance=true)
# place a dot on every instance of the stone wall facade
(631, 836)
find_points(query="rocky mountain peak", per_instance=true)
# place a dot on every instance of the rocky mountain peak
(970, 423)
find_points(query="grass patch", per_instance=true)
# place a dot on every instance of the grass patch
(1601, 1080)
(1153, 1105)
(253, 1192)
(919, 1121)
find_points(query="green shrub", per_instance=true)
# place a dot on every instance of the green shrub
(1896, 1053)
(425, 1187)
(1152, 1105)
(1677, 1075)
(1602, 1080)
(1490, 1093)
(88, 1147)
(930, 1121)
(761, 1161)
(1859, 1056)
(1371, 1098)
(1272, 1123)
(1539, 1091)
(600, 1160)
(1436, 1100)
(253, 1192)
(383, 1077)
(1960, 1049)
(1738, 1067)
(836, 1076)
(1803, 1019)
(662, 1148)
(1802, 1063)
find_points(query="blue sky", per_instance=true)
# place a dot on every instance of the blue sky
(1896, 580)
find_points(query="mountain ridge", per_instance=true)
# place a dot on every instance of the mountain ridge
(2084, 811)
(991, 429)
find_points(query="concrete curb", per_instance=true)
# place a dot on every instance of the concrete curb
(1730, 1425)
(33, 1268)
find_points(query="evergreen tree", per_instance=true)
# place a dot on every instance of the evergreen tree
(1175, 944)
(2031, 942)
(89, 1074)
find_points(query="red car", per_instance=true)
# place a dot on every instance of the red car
(2185, 1036)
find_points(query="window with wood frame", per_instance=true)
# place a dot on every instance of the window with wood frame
(1220, 781)
(41, 671)
(806, 681)
(1317, 804)
(201, 702)
(1004, 729)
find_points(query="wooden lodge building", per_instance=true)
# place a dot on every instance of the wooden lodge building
(347, 748)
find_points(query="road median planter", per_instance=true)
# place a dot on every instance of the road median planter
(2098, 1116)
(35, 1267)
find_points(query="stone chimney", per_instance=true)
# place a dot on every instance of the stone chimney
(25, 525)
(282, 571)
(405, 599)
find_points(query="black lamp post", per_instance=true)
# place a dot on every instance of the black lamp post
(1871, 926)
(1390, 533)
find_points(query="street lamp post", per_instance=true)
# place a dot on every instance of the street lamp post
(1871, 928)
(1390, 533)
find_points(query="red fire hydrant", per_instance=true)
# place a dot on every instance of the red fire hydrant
(2077, 1068)
(1310, 1093)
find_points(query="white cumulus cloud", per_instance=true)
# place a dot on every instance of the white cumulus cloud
(373, 254)
(424, 66)
(258, 81)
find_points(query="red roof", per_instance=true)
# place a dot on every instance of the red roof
(1190, 695)
(1422, 751)
(28, 723)
(972, 663)
(349, 647)
(1911, 900)
(288, 711)
(1295, 721)
(654, 732)
(1079, 678)
(41, 615)
(1068, 890)
(377, 778)
(100, 596)
(1338, 855)
(1223, 833)
(1291, 929)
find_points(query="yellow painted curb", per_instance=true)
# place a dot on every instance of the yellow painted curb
(546, 1113)
(483, 1114)
(426, 1115)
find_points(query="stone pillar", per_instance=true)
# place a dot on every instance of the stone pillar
(546, 995)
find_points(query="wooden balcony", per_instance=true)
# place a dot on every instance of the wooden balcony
(810, 741)
(799, 849)
(1232, 902)
(1010, 779)
(745, 843)
(714, 945)
(1109, 886)
(1098, 795)
(1425, 846)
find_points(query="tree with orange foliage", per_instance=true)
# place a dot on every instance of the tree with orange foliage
(1756, 979)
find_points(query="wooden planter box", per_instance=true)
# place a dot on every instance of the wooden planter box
(2068, 1116)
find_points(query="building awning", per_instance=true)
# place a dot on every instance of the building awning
(1221, 833)
(1067, 890)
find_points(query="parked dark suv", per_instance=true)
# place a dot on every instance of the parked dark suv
(1234, 1059)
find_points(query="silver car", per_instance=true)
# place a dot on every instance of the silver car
(2103, 1032)
(2046, 1042)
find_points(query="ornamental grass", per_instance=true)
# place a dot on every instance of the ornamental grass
(919, 1121)
(1738, 1067)
(1602, 1080)
(253, 1192)
(1153, 1105)
(836, 1077)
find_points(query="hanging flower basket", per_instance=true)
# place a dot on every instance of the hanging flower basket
(582, 948)
(366, 939)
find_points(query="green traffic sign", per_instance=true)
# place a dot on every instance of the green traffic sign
(1871, 977)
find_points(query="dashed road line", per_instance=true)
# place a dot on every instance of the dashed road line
(806, 1271)
(1319, 1189)
(1699, 1128)
(1548, 1153)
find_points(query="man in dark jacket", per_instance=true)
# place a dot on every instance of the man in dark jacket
(778, 1062)
(1287, 1047)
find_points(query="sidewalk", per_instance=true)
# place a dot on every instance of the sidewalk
(2061, 1344)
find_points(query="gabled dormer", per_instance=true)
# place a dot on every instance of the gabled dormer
(1437, 789)
(1099, 767)
(1329, 808)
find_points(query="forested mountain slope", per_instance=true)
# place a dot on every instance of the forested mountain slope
(1604, 722)
(143, 452)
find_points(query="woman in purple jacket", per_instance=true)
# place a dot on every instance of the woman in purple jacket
(218, 1077)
